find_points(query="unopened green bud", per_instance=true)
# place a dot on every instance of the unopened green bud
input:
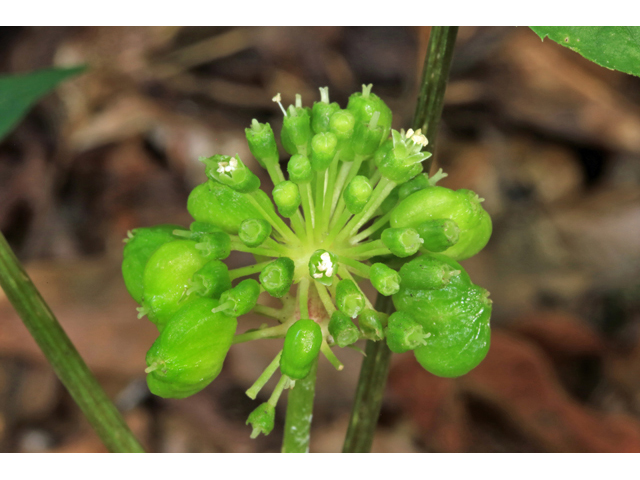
(349, 298)
(299, 168)
(384, 279)
(254, 231)
(262, 142)
(301, 348)
(214, 245)
(364, 104)
(439, 234)
(399, 158)
(427, 272)
(262, 419)
(287, 198)
(357, 194)
(342, 124)
(212, 280)
(371, 324)
(367, 136)
(403, 242)
(296, 130)
(322, 111)
(342, 329)
(404, 333)
(240, 299)
(323, 266)
(277, 277)
(230, 171)
(418, 183)
(198, 229)
(323, 150)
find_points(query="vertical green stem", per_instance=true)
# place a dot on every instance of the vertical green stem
(297, 424)
(62, 355)
(375, 366)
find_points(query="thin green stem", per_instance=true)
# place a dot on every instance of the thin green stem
(303, 297)
(63, 356)
(272, 217)
(270, 312)
(249, 270)
(355, 266)
(377, 225)
(325, 298)
(329, 355)
(241, 247)
(253, 391)
(297, 424)
(307, 208)
(278, 331)
(275, 396)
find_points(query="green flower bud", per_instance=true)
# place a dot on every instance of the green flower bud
(240, 299)
(219, 205)
(254, 231)
(322, 266)
(211, 280)
(342, 124)
(230, 171)
(349, 298)
(342, 329)
(262, 143)
(371, 324)
(403, 242)
(299, 168)
(215, 245)
(427, 272)
(301, 347)
(322, 111)
(367, 136)
(296, 130)
(364, 105)
(277, 277)
(420, 182)
(404, 333)
(439, 234)
(384, 279)
(200, 229)
(357, 194)
(287, 198)
(399, 158)
(324, 147)
(262, 419)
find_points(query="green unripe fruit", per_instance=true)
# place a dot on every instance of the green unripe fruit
(286, 196)
(138, 250)
(230, 171)
(349, 298)
(262, 419)
(254, 231)
(301, 348)
(342, 329)
(211, 280)
(299, 168)
(457, 317)
(364, 104)
(322, 266)
(357, 194)
(219, 205)
(439, 234)
(240, 299)
(190, 351)
(324, 147)
(367, 137)
(277, 277)
(404, 333)
(262, 143)
(371, 324)
(215, 245)
(321, 115)
(431, 272)
(403, 242)
(167, 278)
(461, 206)
(384, 279)
(342, 124)
(296, 131)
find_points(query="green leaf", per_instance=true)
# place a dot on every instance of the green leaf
(19, 92)
(615, 48)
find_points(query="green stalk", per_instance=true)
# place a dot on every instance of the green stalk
(297, 424)
(63, 356)
(375, 366)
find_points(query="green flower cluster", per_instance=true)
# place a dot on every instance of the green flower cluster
(358, 208)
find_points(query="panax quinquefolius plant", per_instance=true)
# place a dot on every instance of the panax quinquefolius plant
(360, 209)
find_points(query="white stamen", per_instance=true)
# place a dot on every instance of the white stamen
(410, 133)
(278, 100)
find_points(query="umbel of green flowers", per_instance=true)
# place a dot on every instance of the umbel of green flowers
(359, 208)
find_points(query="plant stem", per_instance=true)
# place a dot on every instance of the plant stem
(375, 366)
(297, 424)
(62, 355)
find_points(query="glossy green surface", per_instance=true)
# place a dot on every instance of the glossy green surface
(384, 279)
(242, 298)
(432, 272)
(342, 329)
(167, 278)
(190, 351)
(363, 109)
(301, 347)
(462, 206)
(277, 277)
(349, 298)
(137, 252)
(219, 205)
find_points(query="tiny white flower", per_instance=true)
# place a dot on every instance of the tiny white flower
(222, 167)
(277, 98)
(410, 133)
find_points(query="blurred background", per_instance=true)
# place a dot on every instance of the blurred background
(550, 140)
